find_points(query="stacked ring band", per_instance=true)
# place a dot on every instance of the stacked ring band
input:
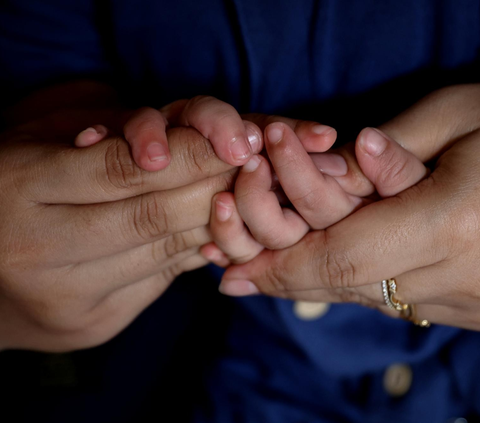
(407, 311)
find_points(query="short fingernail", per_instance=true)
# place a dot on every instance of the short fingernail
(89, 130)
(330, 164)
(374, 142)
(156, 152)
(222, 211)
(252, 164)
(322, 129)
(240, 148)
(274, 134)
(253, 138)
(238, 288)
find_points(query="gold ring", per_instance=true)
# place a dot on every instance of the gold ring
(407, 311)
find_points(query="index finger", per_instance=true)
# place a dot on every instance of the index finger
(107, 171)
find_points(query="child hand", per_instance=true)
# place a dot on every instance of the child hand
(320, 199)
(234, 140)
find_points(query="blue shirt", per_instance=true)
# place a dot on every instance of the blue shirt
(346, 63)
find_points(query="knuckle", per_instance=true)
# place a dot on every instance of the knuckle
(150, 217)
(275, 281)
(394, 171)
(120, 170)
(271, 238)
(175, 244)
(310, 202)
(337, 270)
(197, 153)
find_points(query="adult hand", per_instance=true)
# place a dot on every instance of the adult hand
(427, 236)
(234, 139)
(87, 238)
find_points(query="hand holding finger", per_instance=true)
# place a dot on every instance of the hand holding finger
(233, 241)
(233, 140)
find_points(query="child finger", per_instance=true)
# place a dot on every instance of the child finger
(271, 225)
(145, 131)
(317, 197)
(229, 232)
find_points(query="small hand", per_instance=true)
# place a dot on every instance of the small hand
(426, 237)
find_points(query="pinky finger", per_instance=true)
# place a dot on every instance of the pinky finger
(91, 135)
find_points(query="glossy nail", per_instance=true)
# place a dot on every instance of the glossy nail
(239, 148)
(156, 152)
(253, 138)
(374, 142)
(330, 164)
(223, 211)
(322, 130)
(252, 164)
(274, 134)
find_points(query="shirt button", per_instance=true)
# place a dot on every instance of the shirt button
(307, 310)
(397, 379)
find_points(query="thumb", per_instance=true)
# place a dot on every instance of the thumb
(391, 168)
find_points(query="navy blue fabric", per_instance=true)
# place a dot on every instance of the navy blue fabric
(346, 63)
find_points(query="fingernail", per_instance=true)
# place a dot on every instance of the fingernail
(374, 142)
(330, 164)
(252, 164)
(322, 129)
(156, 152)
(238, 288)
(253, 138)
(222, 211)
(274, 134)
(90, 129)
(240, 149)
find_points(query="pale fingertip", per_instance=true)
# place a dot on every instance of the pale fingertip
(373, 142)
(274, 134)
(330, 164)
(252, 164)
(238, 288)
(240, 149)
(88, 137)
(89, 130)
(223, 211)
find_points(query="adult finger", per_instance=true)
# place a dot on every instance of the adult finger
(106, 171)
(437, 121)
(271, 225)
(145, 131)
(318, 198)
(87, 232)
(139, 263)
(119, 308)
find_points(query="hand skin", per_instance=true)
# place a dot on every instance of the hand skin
(87, 238)
(427, 237)
(234, 139)
(270, 226)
